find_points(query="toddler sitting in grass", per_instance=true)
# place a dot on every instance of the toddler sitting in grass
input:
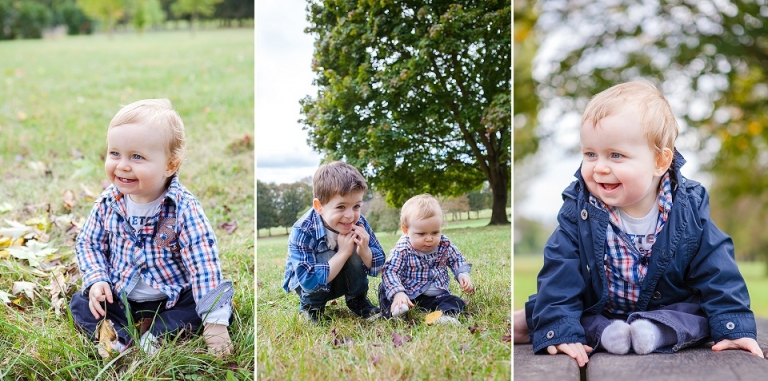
(416, 272)
(147, 249)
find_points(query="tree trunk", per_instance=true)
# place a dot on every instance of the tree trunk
(499, 187)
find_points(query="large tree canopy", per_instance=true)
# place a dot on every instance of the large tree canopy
(415, 94)
(708, 56)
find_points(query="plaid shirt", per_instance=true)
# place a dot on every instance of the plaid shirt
(309, 237)
(625, 266)
(178, 253)
(411, 272)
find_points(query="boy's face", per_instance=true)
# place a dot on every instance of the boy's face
(424, 234)
(618, 164)
(341, 212)
(137, 162)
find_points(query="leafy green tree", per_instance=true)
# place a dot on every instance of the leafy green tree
(33, 18)
(145, 13)
(230, 10)
(266, 206)
(195, 9)
(415, 94)
(294, 198)
(382, 217)
(479, 200)
(108, 12)
(526, 106)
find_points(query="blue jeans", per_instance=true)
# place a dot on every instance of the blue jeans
(687, 320)
(351, 281)
(182, 318)
(449, 304)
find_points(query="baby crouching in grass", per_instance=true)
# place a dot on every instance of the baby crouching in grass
(147, 252)
(416, 272)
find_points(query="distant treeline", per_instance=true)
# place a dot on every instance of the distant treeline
(280, 205)
(30, 18)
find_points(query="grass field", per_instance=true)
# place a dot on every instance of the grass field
(290, 348)
(56, 100)
(528, 266)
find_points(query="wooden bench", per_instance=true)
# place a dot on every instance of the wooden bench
(699, 363)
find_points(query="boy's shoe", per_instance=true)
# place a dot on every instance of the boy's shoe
(311, 314)
(362, 307)
(447, 319)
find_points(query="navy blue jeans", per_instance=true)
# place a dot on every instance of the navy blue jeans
(449, 304)
(687, 320)
(182, 318)
(351, 282)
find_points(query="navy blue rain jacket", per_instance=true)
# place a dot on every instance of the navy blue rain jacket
(691, 261)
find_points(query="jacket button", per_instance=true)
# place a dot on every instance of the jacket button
(551, 334)
(728, 325)
(657, 295)
(584, 214)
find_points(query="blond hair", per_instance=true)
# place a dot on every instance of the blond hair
(420, 207)
(160, 114)
(336, 178)
(656, 115)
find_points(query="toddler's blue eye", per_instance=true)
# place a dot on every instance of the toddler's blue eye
(615, 155)
(136, 157)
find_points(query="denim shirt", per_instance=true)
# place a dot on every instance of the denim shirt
(309, 237)
(691, 261)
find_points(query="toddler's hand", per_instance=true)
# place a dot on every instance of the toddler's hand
(577, 351)
(217, 338)
(400, 299)
(466, 283)
(745, 343)
(100, 291)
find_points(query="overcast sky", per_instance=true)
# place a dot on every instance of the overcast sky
(283, 77)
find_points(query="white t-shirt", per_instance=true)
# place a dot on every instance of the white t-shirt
(642, 231)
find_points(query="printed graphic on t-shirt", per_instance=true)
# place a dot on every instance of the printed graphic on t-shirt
(166, 235)
(643, 242)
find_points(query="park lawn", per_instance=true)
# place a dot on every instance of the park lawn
(528, 266)
(57, 98)
(290, 348)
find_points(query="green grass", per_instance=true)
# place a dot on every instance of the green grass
(56, 100)
(290, 348)
(528, 266)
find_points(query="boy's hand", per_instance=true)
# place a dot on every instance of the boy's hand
(360, 236)
(217, 338)
(346, 242)
(400, 298)
(100, 291)
(576, 350)
(745, 343)
(466, 283)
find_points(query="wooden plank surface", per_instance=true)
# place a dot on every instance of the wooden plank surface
(690, 364)
(530, 367)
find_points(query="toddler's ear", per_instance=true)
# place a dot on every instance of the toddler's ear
(663, 161)
(173, 166)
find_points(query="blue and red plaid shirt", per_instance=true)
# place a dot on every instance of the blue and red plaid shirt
(411, 272)
(625, 265)
(176, 254)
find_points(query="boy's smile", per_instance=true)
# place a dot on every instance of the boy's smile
(137, 161)
(619, 166)
(341, 213)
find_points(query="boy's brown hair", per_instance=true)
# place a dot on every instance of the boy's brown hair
(420, 207)
(656, 115)
(336, 179)
(160, 114)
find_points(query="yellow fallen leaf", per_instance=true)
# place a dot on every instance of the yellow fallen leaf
(432, 317)
(106, 334)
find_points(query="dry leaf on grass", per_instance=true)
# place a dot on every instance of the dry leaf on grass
(106, 335)
(69, 199)
(432, 317)
(28, 288)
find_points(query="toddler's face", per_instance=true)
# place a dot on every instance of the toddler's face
(341, 212)
(618, 165)
(137, 162)
(424, 234)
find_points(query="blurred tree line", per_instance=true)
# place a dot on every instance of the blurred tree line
(280, 205)
(29, 18)
(709, 57)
